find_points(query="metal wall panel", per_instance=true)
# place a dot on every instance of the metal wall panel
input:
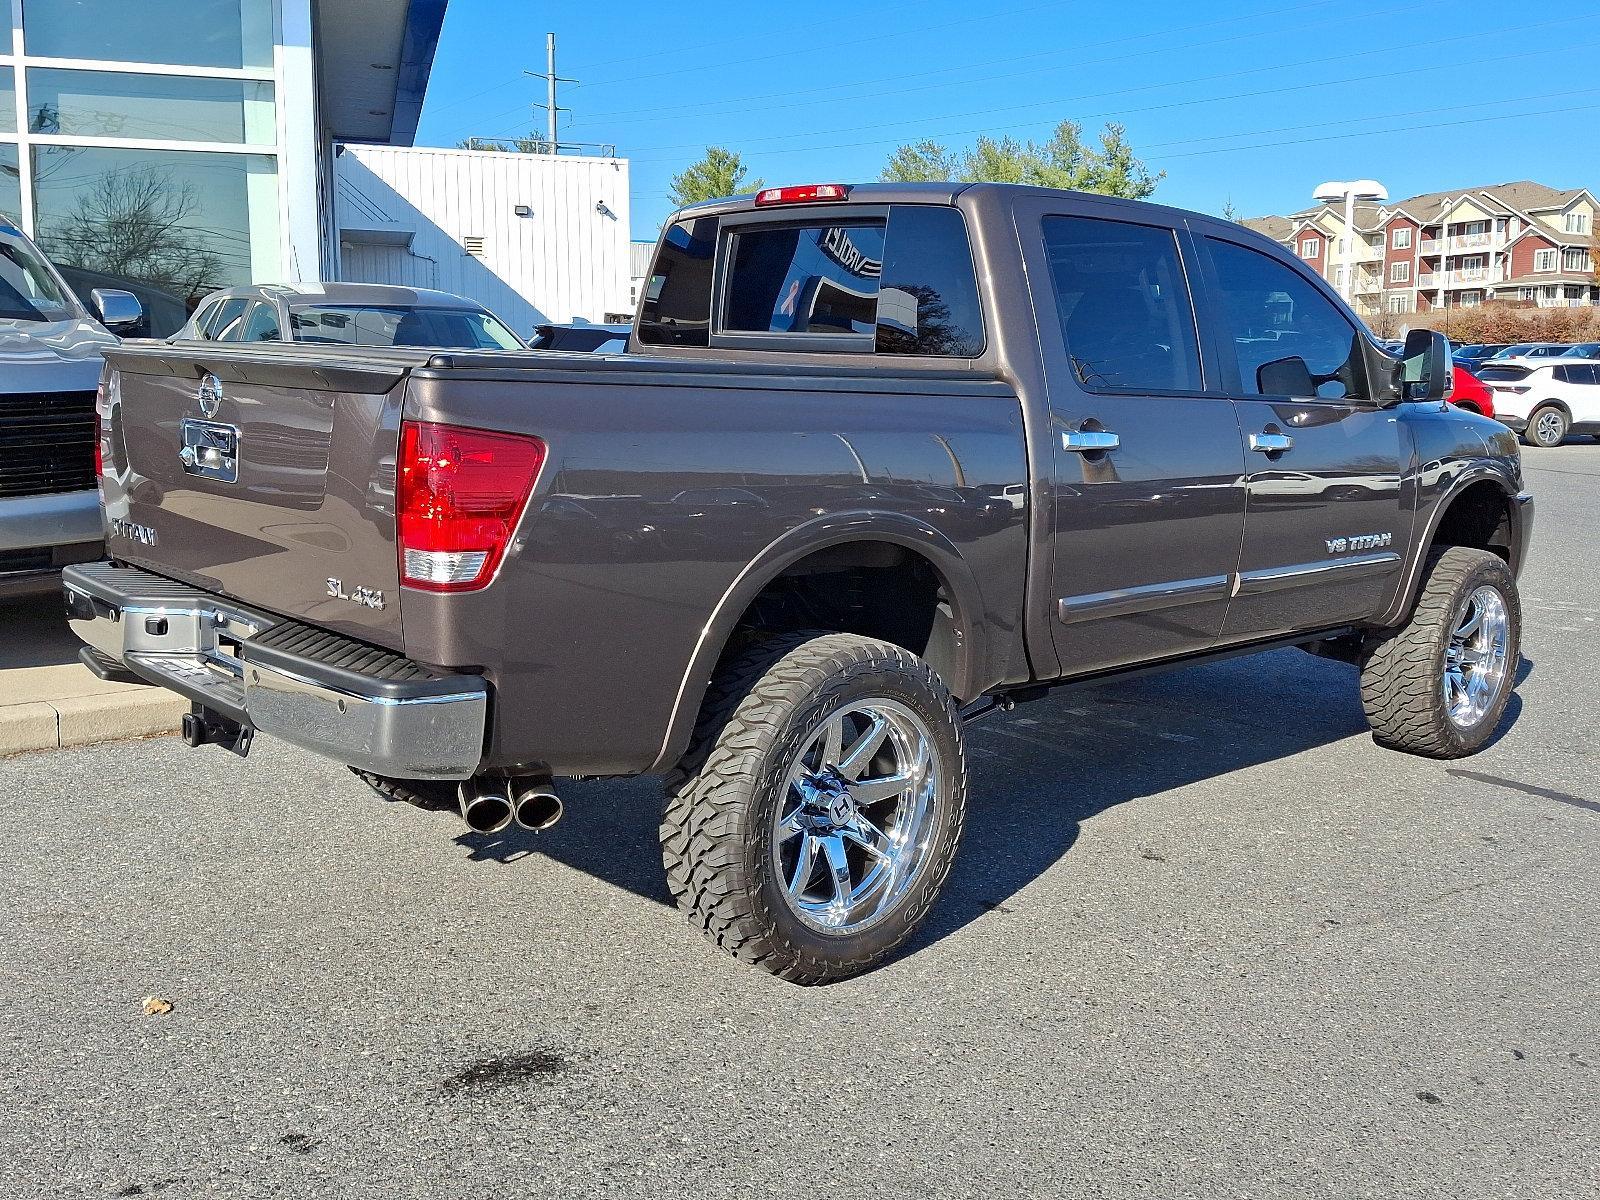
(406, 216)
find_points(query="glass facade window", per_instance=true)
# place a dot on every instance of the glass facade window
(10, 185)
(200, 33)
(187, 223)
(166, 107)
(8, 101)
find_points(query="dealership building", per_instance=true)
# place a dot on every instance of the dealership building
(178, 146)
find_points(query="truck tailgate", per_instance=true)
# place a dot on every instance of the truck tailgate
(260, 474)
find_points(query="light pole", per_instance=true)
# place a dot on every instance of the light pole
(1350, 191)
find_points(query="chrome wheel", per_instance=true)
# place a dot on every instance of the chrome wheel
(857, 816)
(1475, 659)
(1550, 428)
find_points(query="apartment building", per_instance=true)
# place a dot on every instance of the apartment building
(1519, 241)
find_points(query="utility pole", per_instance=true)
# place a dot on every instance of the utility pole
(550, 80)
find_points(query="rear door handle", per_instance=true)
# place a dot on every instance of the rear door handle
(1090, 441)
(1271, 443)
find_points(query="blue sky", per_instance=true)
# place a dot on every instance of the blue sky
(1253, 101)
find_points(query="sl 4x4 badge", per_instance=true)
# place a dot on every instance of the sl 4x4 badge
(1361, 541)
(370, 597)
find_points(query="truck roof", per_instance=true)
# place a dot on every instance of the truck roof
(937, 193)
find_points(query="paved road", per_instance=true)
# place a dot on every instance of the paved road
(1251, 955)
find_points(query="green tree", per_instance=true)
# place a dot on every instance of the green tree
(1064, 161)
(920, 162)
(720, 173)
(527, 144)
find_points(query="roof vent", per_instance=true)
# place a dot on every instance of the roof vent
(474, 245)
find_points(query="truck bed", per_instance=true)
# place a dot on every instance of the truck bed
(667, 483)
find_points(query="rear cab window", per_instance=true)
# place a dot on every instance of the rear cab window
(895, 280)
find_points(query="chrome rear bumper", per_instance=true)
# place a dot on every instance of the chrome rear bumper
(358, 704)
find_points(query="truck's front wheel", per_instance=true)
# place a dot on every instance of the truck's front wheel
(814, 820)
(1438, 685)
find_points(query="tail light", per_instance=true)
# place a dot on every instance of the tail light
(460, 494)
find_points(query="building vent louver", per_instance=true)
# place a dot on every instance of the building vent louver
(474, 245)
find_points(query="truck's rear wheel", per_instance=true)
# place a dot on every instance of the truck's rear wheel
(814, 820)
(1439, 685)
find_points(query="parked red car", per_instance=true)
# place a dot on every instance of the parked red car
(1468, 392)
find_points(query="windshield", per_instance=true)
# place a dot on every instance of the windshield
(28, 291)
(1516, 351)
(372, 325)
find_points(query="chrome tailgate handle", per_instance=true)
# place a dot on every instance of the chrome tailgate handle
(1271, 443)
(1090, 441)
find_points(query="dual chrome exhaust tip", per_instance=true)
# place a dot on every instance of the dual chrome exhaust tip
(491, 805)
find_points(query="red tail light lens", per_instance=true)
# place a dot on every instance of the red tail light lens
(807, 194)
(460, 494)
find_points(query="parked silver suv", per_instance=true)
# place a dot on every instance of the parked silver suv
(50, 360)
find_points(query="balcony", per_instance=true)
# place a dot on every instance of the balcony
(1465, 242)
(1465, 277)
(1429, 245)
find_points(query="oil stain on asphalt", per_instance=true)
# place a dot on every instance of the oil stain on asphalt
(500, 1071)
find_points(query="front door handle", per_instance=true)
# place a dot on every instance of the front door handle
(1271, 443)
(1090, 441)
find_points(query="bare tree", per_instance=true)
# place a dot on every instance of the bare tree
(138, 223)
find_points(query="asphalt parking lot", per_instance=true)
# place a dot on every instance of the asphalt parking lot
(1204, 939)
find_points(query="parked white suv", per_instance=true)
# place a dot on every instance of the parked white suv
(1545, 400)
(50, 360)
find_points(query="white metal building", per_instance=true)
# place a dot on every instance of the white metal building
(533, 237)
(178, 146)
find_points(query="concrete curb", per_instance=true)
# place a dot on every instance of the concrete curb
(84, 720)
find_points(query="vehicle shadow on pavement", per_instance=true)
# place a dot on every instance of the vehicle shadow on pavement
(1037, 775)
(1040, 774)
(35, 633)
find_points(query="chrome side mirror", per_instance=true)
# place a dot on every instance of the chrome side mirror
(118, 311)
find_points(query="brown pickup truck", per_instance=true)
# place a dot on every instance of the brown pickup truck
(878, 460)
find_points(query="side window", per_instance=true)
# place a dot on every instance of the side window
(203, 316)
(1290, 339)
(261, 325)
(1125, 310)
(928, 292)
(805, 279)
(227, 323)
(677, 296)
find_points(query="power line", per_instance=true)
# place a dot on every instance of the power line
(1334, 137)
(854, 41)
(1418, 112)
(1185, 103)
(1360, 132)
(448, 104)
(669, 113)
